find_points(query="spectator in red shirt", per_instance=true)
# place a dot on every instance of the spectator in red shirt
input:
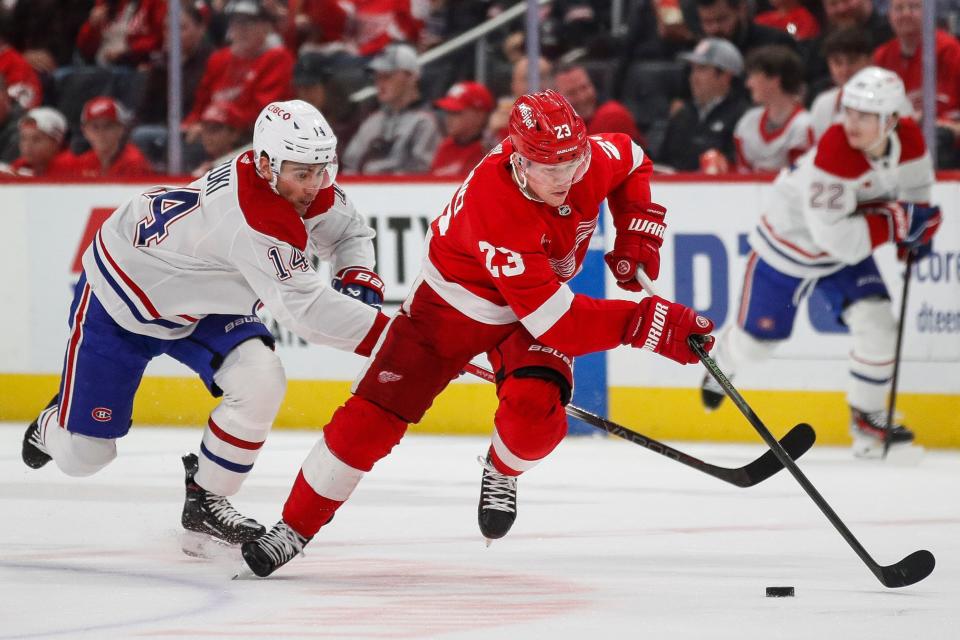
(105, 124)
(23, 83)
(42, 132)
(122, 31)
(249, 74)
(903, 55)
(466, 107)
(601, 116)
(790, 16)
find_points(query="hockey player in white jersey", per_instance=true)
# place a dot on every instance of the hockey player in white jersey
(866, 184)
(181, 271)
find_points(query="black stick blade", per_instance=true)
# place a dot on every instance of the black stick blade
(796, 443)
(912, 569)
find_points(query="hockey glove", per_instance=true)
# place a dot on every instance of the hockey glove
(360, 283)
(663, 327)
(639, 238)
(911, 226)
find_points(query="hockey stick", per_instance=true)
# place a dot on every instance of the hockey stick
(797, 441)
(896, 359)
(914, 568)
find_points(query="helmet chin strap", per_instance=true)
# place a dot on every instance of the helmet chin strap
(521, 180)
(877, 148)
(274, 175)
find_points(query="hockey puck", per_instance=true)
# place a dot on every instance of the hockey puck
(779, 592)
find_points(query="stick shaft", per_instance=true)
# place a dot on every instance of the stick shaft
(892, 406)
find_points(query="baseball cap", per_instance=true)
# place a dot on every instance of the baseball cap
(311, 69)
(48, 120)
(219, 113)
(716, 52)
(247, 8)
(396, 57)
(466, 95)
(104, 108)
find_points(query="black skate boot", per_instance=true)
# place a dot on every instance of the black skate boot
(34, 452)
(711, 393)
(869, 430)
(272, 550)
(498, 501)
(211, 515)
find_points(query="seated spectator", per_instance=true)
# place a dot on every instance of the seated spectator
(843, 14)
(380, 22)
(601, 116)
(727, 19)
(700, 134)
(249, 74)
(792, 17)
(42, 132)
(402, 135)
(122, 32)
(23, 83)
(105, 124)
(466, 109)
(497, 127)
(847, 51)
(769, 137)
(195, 49)
(10, 114)
(314, 82)
(903, 56)
(223, 137)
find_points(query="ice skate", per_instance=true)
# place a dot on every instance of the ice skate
(869, 430)
(498, 502)
(711, 393)
(210, 519)
(34, 452)
(271, 551)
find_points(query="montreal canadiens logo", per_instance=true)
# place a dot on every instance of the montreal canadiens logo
(101, 414)
(702, 322)
(388, 376)
(624, 267)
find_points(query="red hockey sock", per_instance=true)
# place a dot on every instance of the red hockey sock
(306, 510)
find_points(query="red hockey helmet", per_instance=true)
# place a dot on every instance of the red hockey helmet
(544, 128)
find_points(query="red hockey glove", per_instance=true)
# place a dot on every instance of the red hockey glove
(663, 327)
(360, 283)
(639, 238)
(911, 226)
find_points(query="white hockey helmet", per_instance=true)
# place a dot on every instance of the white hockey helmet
(874, 90)
(295, 130)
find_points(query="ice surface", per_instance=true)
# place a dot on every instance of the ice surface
(611, 542)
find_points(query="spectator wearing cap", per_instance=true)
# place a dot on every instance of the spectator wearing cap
(123, 32)
(466, 109)
(23, 83)
(223, 137)
(401, 137)
(105, 124)
(249, 74)
(728, 19)
(772, 135)
(601, 116)
(42, 132)
(699, 134)
(10, 114)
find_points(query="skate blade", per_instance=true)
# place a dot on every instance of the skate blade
(488, 542)
(244, 573)
(904, 454)
(204, 547)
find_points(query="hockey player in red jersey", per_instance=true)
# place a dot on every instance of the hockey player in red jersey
(494, 281)
(866, 184)
(180, 271)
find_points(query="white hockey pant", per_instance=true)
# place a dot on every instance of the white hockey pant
(736, 348)
(75, 454)
(874, 332)
(253, 384)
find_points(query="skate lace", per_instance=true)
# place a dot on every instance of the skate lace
(281, 543)
(36, 441)
(498, 489)
(221, 508)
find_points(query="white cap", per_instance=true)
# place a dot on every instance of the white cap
(296, 131)
(48, 120)
(874, 90)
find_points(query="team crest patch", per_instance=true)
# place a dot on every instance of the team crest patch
(564, 210)
(101, 414)
(702, 322)
(388, 376)
(766, 323)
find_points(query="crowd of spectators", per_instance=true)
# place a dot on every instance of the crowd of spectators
(714, 86)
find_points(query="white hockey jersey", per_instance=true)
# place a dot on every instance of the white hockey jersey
(826, 110)
(811, 227)
(760, 148)
(222, 244)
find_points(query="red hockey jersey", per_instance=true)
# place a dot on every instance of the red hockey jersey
(500, 257)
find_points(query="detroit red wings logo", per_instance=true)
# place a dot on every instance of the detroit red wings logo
(702, 322)
(388, 376)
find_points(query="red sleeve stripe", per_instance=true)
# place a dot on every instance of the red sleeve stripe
(541, 319)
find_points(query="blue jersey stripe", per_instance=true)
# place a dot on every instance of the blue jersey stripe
(123, 295)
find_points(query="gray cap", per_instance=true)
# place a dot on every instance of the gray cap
(246, 8)
(396, 57)
(716, 52)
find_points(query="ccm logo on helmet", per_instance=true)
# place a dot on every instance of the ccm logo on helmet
(101, 414)
(280, 112)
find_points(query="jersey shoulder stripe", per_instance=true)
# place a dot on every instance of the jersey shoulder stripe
(264, 210)
(912, 145)
(836, 157)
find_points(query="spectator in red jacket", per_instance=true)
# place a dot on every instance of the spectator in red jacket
(105, 124)
(250, 73)
(466, 107)
(23, 83)
(42, 131)
(122, 31)
(601, 116)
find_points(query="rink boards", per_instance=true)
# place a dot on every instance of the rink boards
(46, 226)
